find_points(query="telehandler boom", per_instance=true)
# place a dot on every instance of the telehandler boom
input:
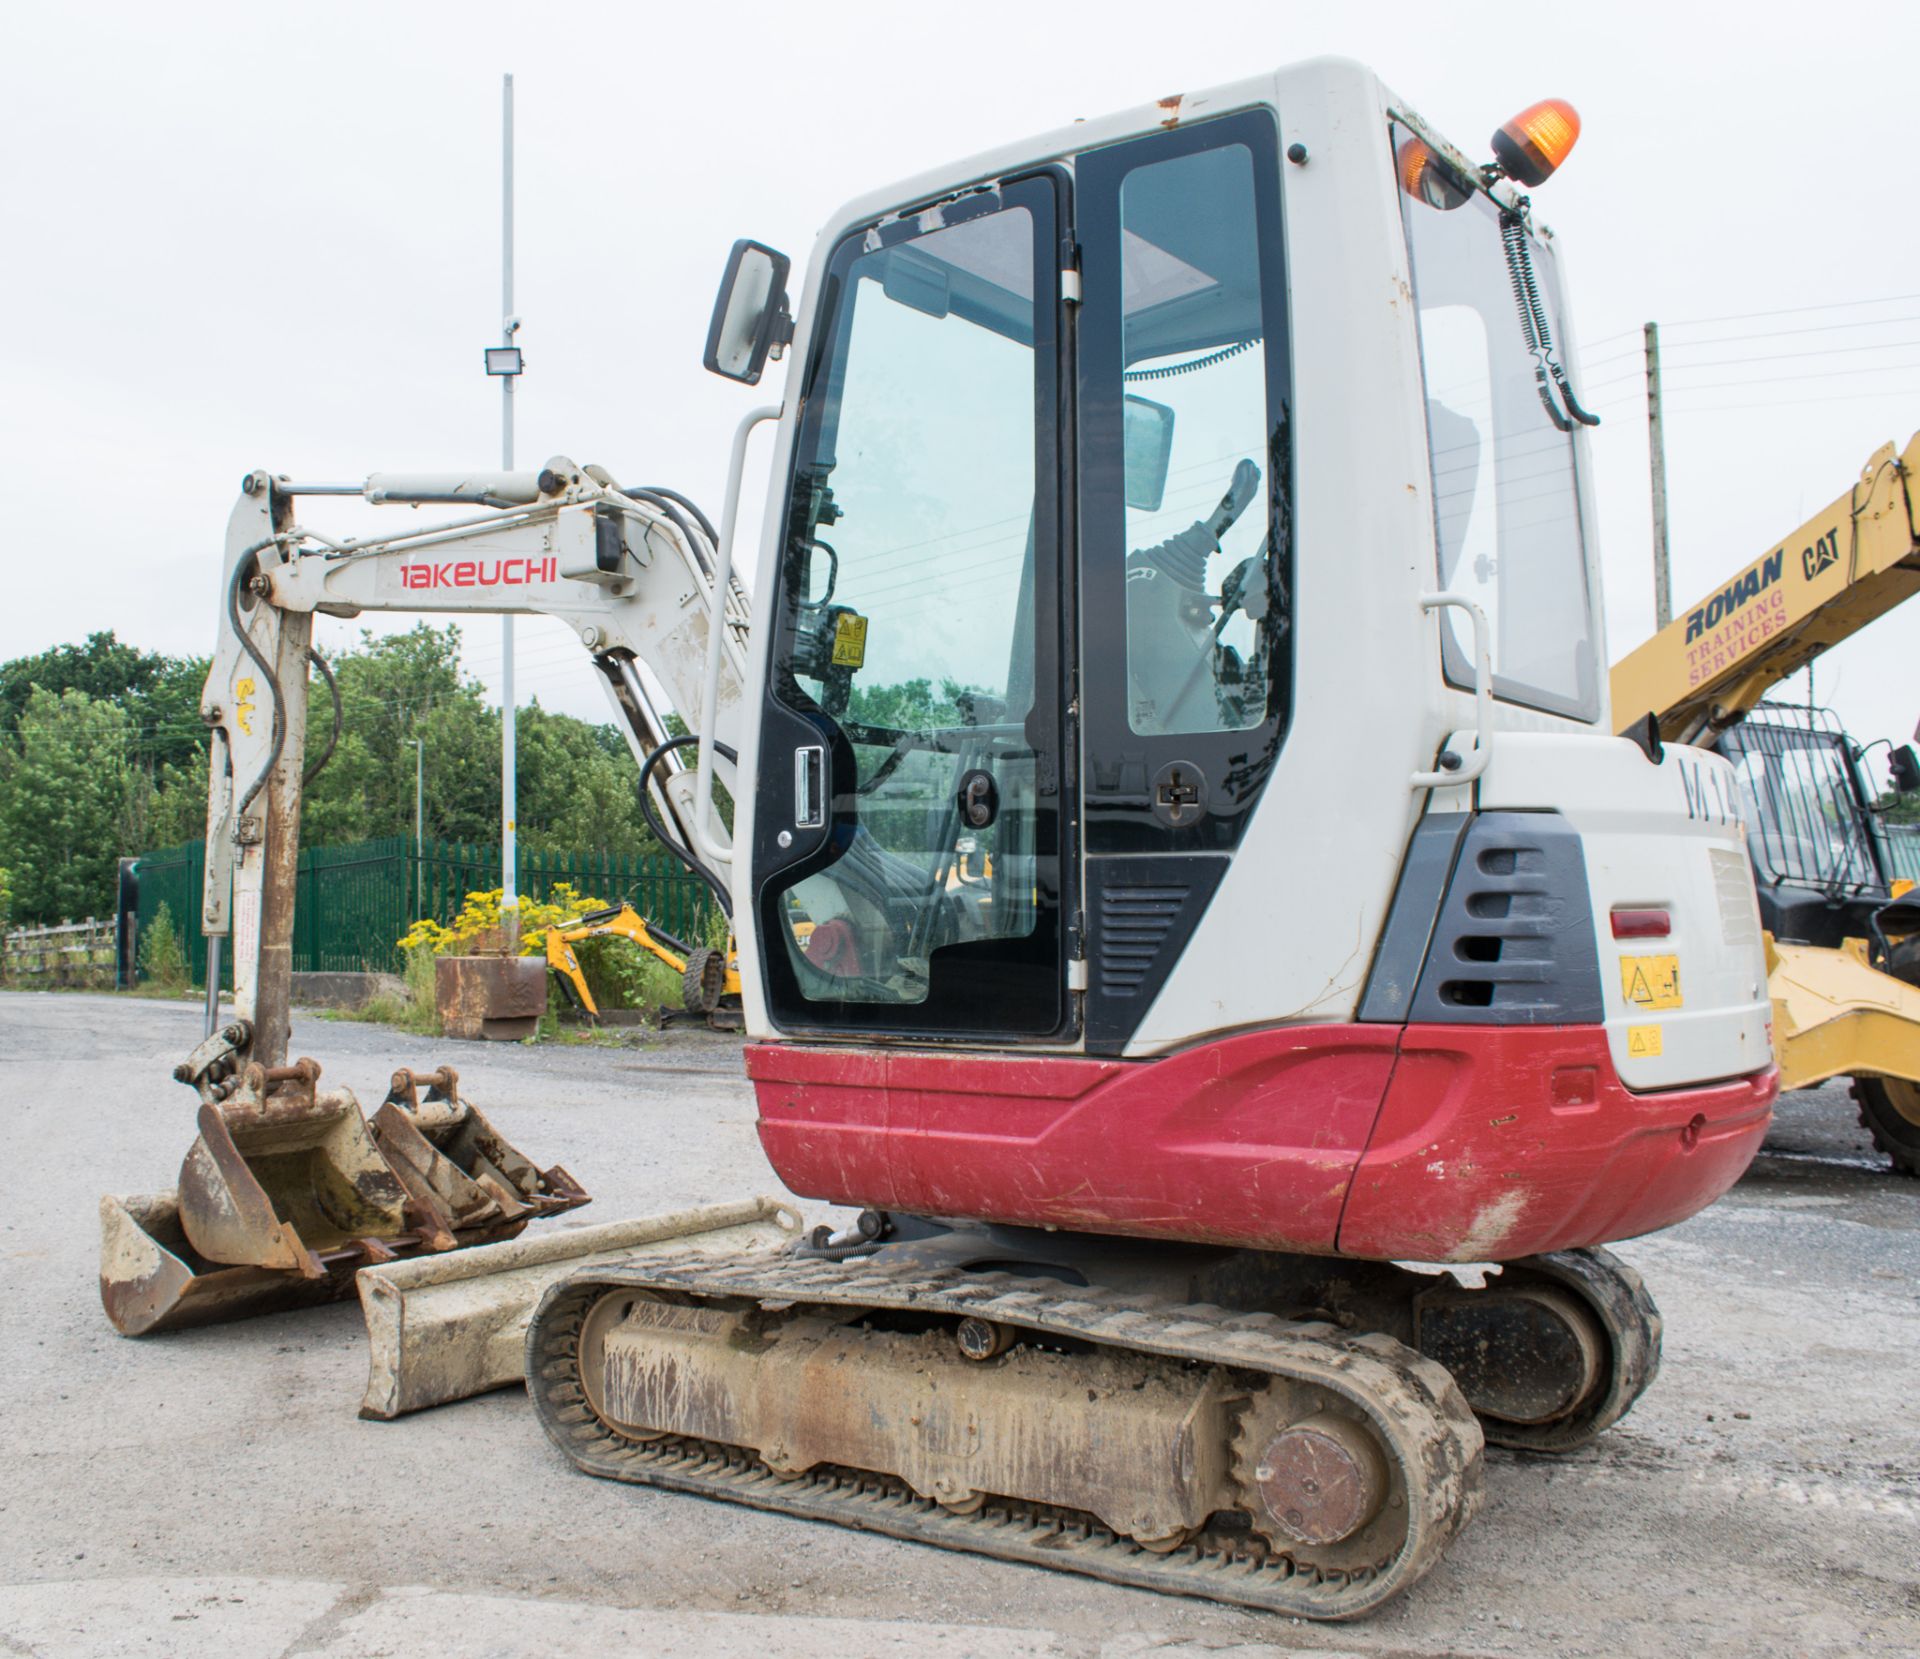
(1181, 866)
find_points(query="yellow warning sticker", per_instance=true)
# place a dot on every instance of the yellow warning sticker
(1651, 981)
(849, 640)
(243, 690)
(1643, 1041)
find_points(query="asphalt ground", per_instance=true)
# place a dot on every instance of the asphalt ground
(213, 1492)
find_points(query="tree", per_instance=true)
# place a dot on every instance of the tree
(65, 803)
(159, 694)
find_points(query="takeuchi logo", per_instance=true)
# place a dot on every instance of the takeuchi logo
(478, 573)
(1740, 592)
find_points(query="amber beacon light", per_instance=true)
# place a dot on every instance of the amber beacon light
(1424, 178)
(1535, 142)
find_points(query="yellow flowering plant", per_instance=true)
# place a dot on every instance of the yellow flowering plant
(481, 915)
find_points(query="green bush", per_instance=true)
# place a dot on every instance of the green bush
(622, 975)
(163, 952)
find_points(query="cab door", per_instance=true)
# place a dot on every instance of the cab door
(1185, 493)
(910, 816)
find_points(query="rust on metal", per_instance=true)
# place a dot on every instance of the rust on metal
(1321, 1480)
(834, 1390)
(1139, 1442)
(288, 1190)
(444, 1327)
(500, 998)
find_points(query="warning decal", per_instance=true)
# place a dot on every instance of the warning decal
(1643, 1041)
(849, 640)
(1651, 981)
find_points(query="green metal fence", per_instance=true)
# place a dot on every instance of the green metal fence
(354, 902)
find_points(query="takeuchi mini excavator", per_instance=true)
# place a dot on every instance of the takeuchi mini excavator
(1182, 867)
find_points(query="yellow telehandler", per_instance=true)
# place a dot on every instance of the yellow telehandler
(1835, 882)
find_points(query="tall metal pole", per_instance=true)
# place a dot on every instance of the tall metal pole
(1657, 459)
(509, 782)
(419, 817)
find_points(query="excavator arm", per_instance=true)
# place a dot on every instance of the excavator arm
(632, 573)
(289, 1190)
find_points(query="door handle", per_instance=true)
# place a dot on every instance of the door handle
(809, 786)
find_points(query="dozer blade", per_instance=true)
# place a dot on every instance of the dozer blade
(1834, 1015)
(442, 1328)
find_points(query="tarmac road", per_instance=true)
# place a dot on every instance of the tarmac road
(213, 1492)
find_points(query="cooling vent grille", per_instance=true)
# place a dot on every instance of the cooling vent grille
(1134, 925)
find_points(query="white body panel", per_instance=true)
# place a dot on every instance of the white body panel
(1667, 837)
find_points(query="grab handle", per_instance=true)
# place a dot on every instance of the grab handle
(1476, 763)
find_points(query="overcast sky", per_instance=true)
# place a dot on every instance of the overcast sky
(252, 235)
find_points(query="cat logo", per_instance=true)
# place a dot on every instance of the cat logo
(1822, 555)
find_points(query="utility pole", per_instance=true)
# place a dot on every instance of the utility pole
(509, 324)
(1657, 460)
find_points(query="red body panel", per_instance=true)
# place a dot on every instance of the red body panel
(1423, 1143)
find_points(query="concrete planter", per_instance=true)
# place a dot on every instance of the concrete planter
(499, 998)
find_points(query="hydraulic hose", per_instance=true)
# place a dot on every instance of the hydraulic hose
(318, 766)
(660, 501)
(693, 507)
(242, 572)
(683, 853)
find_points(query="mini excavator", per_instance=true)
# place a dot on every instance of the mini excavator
(1186, 881)
(709, 976)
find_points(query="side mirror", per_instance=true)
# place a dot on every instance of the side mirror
(1146, 441)
(1903, 768)
(749, 312)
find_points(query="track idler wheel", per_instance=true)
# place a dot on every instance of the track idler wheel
(1554, 1351)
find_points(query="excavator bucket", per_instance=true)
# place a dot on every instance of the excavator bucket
(287, 1191)
(450, 1158)
(152, 1279)
(442, 1328)
(286, 1180)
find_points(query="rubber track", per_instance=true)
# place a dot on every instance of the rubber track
(1412, 1403)
(1618, 1296)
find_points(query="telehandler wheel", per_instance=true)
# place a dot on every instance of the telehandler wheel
(1890, 1106)
(1890, 1113)
(704, 980)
